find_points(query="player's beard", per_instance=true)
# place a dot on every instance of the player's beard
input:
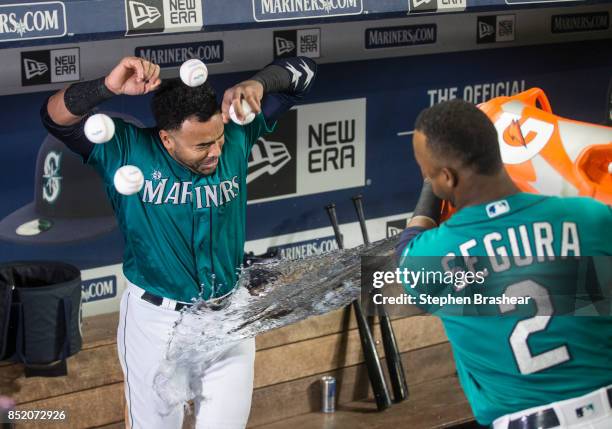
(207, 168)
(201, 167)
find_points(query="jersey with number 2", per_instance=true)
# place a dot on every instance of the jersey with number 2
(507, 364)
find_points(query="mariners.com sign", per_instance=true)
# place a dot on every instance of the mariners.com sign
(279, 10)
(32, 21)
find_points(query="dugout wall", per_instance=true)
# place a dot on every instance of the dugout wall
(380, 63)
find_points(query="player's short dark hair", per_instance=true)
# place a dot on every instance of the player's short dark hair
(458, 129)
(174, 102)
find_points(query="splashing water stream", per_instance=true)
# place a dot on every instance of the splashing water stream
(287, 292)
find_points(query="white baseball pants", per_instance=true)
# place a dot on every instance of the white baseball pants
(142, 336)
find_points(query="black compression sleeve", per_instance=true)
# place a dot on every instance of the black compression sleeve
(428, 205)
(81, 97)
(274, 78)
(72, 136)
(289, 75)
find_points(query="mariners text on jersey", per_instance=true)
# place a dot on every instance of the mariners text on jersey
(521, 250)
(182, 193)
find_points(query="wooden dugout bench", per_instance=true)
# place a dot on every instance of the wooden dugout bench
(289, 363)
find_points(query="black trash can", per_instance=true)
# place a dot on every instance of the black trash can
(40, 315)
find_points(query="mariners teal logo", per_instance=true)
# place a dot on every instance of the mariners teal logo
(51, 177)
(156, 175)
(160, 191)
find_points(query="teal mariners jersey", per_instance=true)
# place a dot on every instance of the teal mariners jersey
(507, 363)
(184, 233)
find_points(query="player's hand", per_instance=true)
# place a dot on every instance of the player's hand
(133, 76)
(250, 90)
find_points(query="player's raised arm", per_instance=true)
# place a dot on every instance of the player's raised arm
(273, 90)
(132, 76)
(64, 113)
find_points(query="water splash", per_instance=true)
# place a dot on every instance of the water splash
(267, 296)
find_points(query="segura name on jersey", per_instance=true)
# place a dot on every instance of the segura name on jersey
(183, 193)
(520, 250)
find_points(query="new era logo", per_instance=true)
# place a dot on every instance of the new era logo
(451, 5)
(267, 157)
(50, 66)
(162, 16)
(505, 28)
(291, 43)
(34, 68)
(485, 30)
(495, 28)
(143, 14)
(423, 5)
(393, 230)
(395, 227)
(283, 46)
(272, 163)
(497, 208)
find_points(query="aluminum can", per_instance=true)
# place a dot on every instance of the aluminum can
(328, 394)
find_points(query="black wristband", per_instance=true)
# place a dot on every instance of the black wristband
(428, 204)
(274, 78)
(81, 97)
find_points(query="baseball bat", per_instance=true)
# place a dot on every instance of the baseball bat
(372, 361)
(394, 359)
(366, 239)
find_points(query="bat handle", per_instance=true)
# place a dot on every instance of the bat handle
(394, 360)
(333, 218)
(358, 203)
(372, 361)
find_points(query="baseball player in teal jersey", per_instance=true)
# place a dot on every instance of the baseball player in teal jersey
(185, 230)
(526, 366)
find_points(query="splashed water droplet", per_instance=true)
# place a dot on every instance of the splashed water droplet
(288, 291)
